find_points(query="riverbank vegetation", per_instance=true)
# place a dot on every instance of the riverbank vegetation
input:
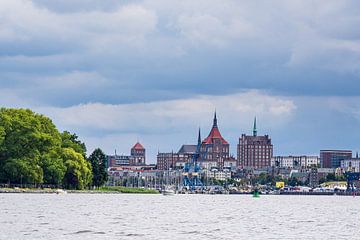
(127, 190)
(33, 151)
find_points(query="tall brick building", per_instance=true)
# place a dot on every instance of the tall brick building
(333, 158)
(216, 146)
(137, 154)
(136, 157)
(254, 151)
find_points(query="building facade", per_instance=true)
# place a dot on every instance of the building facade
(214, 152)
(295, 161)
(351, 165)
(137, 154)
(254, 151)
(333, 158)
(214, 148)
(136, 157)
(171, 160)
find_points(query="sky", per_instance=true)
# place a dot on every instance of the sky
(117, 72)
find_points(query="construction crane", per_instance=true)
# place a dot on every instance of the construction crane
(192, 169)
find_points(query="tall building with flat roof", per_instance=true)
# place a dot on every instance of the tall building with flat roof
(254, 151)
(333, 158)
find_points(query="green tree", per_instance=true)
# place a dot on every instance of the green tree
(24, 138)
(98, 163)
(72, 141)
(78, 171)
(53, 167)
(33, 151)
(22, 171)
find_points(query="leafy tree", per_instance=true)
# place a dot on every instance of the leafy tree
(72, 141)
(295, 182)
(20, 171)
(33, 151)
(98, 163)
(78, 171)
(24, 138)
(53, 167)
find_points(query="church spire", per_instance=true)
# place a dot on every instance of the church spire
(215, 120)
(254, 128)
(199, 138)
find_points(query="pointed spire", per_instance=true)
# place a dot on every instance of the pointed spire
(254, 128)
(357, 155)
(199, 138)
(215, 120)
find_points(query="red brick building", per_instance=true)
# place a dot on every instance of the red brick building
(254, 151)
(216, 146)
(137, 154)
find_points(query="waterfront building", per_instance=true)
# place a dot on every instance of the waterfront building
(214, 147)
(333, 158)
(171, 160)
(230, 164)
(254, 151)
(137, 154)
(295, 161)
(217, 174)
(313, 177)
(118, 160)
(214, 152)
(136, 157)
(351, 165)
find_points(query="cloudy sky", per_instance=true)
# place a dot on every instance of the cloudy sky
(119, 71)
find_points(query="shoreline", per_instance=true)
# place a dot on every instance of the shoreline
(65, 191)
(141, 191)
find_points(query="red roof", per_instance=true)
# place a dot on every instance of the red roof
(214, 134)
(138, 146)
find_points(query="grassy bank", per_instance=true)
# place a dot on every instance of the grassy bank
(127, 190)
(100, 190)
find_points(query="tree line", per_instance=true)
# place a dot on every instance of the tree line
(33, 151)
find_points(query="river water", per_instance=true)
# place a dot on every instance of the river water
(125, 216)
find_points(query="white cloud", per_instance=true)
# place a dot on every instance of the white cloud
(24, 21)
(165, 125)
(175, 114)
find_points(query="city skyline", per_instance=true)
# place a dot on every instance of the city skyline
(154, 71)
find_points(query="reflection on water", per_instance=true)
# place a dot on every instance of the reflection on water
(122, 216)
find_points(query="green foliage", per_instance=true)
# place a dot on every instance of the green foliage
(22, 171)
(78, 171)
(294, 182)
(332, 177)
(54, 167)
(32, 151)
(72, 141)
(98, 163)
(127, 190)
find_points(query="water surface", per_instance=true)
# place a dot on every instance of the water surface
(125, 216)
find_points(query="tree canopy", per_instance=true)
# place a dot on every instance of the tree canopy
(98, 163)
(33, 151)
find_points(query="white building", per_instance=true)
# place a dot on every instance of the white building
(295, 161)
(351, 164)
(208, 165)
(218, 174)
